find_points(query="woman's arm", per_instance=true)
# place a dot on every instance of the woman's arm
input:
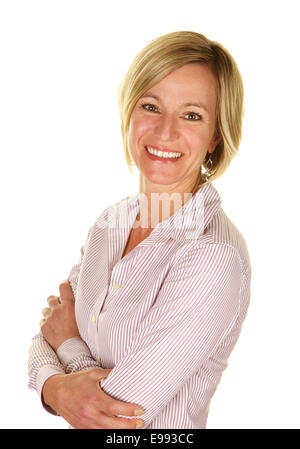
(77, 397)
(44, 360)
(72, 356)
(56, 369)
(196, 310)
(42, 364)
(59, 328)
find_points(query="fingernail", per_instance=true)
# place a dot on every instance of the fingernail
(140, 425)
(138, 412)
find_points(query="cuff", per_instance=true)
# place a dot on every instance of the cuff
(44, 373)
(72, 348)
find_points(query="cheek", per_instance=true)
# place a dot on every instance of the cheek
(196, 138)
(204, 133)
(134, 136)
(139, 127)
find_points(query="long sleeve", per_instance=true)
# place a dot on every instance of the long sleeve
(73, 355)
(195, 311)
(42, 363)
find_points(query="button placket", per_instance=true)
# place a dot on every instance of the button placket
(98, 306)
(95, 323)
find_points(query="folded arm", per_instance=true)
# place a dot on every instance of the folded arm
(196, 308)
(70, 356)
(58, 354)
(59, 367)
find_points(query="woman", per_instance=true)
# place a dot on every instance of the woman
(163, 283)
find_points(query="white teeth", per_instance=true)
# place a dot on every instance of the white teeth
(163, 154)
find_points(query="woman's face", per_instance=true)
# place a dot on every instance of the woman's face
(177, 115)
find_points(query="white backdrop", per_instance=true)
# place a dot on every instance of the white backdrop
(62, 163)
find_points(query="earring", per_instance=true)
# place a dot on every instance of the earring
(209, 162)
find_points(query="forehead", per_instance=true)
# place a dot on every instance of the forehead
(190, 83)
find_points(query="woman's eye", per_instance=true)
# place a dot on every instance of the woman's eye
(192, 116)
(149, 107)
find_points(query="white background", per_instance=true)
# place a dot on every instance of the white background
(62, 163)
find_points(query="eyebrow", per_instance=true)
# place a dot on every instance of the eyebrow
(185, 105)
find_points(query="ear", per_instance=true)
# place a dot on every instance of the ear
(214, 142)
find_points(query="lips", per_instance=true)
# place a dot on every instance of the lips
(160, 148)
(169, 158)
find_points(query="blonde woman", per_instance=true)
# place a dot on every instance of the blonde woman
(144, 325)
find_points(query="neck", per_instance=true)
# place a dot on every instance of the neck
(159, 202)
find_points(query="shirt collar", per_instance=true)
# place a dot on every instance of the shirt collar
(189, 221)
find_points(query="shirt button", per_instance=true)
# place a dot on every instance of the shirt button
(94, 318)
(97, 360)
(117, 286)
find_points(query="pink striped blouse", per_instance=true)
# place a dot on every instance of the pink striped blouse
(165, 317)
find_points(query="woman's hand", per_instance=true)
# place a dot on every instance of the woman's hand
(79, 399)
(59, 323)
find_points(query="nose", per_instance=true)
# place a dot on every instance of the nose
(166, 127)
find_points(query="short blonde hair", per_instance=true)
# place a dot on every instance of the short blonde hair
(169, 52)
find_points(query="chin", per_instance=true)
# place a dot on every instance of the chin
(157, 178)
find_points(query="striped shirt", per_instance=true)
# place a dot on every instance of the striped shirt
(165, 317)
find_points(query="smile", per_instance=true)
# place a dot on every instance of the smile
(163, 154)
